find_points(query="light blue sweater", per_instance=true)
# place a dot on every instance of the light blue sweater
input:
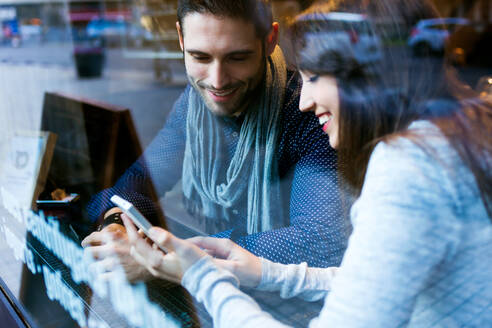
(420, 253)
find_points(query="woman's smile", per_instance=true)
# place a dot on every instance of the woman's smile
(325, 120)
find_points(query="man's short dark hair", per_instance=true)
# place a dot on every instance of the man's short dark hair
(257, 12)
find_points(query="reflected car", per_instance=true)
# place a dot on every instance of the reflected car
(118, 32)
(352, 34)
(429, 36)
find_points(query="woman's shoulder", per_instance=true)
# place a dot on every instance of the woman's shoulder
(422, 140)
(423, 126)
(424, 158)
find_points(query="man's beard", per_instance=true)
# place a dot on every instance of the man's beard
(237, 103)
(246, 93)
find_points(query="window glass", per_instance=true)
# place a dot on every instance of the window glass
(95, 101)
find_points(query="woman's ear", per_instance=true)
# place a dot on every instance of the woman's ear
(271, 39)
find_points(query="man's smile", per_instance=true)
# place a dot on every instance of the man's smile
(222, 95)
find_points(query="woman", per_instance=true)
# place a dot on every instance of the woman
(421, 249)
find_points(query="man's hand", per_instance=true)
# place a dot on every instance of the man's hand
(179, 254)
(232, 257)
(111, 249)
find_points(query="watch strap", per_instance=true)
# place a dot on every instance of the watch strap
(110, 219)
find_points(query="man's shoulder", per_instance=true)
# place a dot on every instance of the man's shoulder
(179, 111)
(180, 107)
(292, 93)
(294, 84)
(290, 108)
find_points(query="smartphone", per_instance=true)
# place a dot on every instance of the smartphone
(140, 221)
(134, 214)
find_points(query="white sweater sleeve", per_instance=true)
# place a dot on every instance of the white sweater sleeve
(218, 290)
(311, 284)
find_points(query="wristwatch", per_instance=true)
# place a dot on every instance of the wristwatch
(110, 219)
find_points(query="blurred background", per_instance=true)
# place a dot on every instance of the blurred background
(98, 47)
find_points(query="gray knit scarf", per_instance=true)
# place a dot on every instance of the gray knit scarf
(252, 174)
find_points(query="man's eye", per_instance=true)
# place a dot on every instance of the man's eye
(200, 58)
(238, 58)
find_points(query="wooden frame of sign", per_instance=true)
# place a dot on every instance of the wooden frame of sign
(97, 141)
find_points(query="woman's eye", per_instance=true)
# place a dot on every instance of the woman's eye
(313, 78)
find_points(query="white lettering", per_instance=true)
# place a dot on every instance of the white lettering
(131, 301)
(59, 291)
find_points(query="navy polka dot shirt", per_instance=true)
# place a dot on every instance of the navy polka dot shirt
(316, 231)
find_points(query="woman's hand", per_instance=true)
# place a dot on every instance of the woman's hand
(180, 254)
(232, 257)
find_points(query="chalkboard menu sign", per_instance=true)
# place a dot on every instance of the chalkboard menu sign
(96, 143)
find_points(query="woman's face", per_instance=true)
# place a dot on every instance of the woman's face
(320, 95)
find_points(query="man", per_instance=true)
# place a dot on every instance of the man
(251, 164)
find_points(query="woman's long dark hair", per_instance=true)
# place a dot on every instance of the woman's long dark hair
(379, 101)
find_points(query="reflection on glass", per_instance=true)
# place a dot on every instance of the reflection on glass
(102, 78)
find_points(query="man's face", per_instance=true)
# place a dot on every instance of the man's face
(224, 60)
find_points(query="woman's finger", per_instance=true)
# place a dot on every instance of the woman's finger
(134, 235)
(218, 247)
(164, 239)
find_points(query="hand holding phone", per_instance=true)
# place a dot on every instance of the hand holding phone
(134, 214)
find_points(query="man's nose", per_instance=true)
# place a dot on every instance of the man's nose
(218, 75)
